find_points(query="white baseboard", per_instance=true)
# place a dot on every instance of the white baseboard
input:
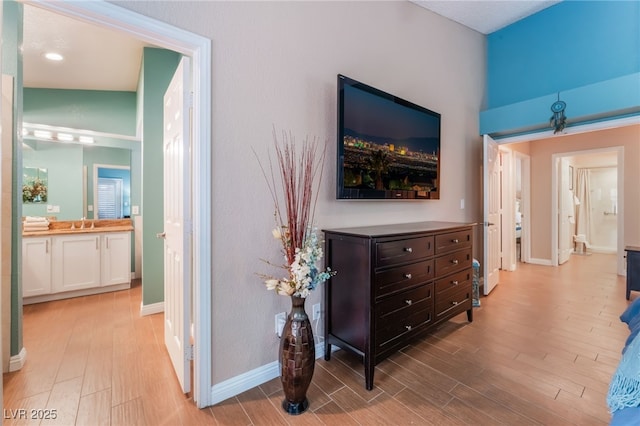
(16, 362)
(245, 381)
(154, 308)
(543, 262)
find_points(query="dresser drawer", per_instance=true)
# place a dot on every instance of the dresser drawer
(450, 302)
(403, 277)
(453, 241)
(453, 262)
(457, 280)
(394, 309)
(395, 252)
(392, 332)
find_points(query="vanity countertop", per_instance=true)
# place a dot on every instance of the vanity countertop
(63, 227)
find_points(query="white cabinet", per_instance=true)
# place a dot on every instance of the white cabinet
(36, 266)
(76, 262)
(116, 258)
(70, 265)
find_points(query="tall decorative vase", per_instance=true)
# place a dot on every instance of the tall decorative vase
(297, 358)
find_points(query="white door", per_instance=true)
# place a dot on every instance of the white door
(492, 234)
(177, 229)
(565, 213)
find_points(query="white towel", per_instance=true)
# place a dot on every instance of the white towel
(35, 226)
(36, 219)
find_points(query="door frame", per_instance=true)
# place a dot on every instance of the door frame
(583, 128)
(198, 48)
(555, 158)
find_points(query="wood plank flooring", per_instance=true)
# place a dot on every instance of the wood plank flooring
(541, 351)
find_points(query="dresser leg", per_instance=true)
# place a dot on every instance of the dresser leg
(368, 372)
(327, 351)
(470, 315)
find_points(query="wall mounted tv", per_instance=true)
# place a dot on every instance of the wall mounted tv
(388, 148)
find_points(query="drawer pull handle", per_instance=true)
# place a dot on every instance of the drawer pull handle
(408, 301)
(408, 327)
(455, 241)
(454, 261)
(408, 249)
(408, 276)
(454, 303)
(455, 282)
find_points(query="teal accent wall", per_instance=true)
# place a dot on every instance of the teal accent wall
(97, 110)
(587, 51)
(159, 66)
(12, 65)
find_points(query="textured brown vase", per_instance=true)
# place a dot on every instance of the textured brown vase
(297, 358)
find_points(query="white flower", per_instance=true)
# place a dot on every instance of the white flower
(276, 233)
(272, 284)
(304, 274)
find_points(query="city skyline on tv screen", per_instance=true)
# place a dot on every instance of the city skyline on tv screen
(390, 147)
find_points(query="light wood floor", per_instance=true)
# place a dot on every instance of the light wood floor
(541, 350)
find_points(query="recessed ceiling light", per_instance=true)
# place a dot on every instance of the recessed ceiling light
(52, 56)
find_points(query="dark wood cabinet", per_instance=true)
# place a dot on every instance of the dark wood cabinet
(633, 269)
(394, 283)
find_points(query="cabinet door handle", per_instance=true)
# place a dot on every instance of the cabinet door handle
(46, 247)
(454, 261)
(97, 244)
(408, 327)
(408, 301)
(455, 241)
(454, 303)
(455, 282)
(408, 276)
(408, 249)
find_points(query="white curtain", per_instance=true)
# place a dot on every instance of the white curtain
(583, 210)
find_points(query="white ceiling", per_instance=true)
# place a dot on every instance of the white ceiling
(101, 59)
(94, 58)
(485, 16)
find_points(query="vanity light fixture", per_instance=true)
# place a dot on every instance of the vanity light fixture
(65, 137)
(42, 134)
(85, 139)
(53, 56)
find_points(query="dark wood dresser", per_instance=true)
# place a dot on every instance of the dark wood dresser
(394, 283)
(633, 269)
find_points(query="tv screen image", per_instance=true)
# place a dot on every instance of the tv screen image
(388, 148)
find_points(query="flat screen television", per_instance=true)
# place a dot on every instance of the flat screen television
(388, 148)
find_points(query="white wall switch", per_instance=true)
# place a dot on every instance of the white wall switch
(462, 204)
(135, 210)
(90, 208)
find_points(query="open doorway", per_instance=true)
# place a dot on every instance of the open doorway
(596, 182)
(199, 49)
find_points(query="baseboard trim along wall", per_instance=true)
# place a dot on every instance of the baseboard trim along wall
(154, 308)
(245, 381)
(16, 362)
(543, 262)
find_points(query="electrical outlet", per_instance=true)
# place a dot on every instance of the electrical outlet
(316, 311)
(281, 319)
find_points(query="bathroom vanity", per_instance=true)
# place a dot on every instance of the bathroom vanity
(67, 261)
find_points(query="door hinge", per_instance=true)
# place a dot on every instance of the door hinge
(188, 353)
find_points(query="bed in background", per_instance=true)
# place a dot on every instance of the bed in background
(623, 397)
